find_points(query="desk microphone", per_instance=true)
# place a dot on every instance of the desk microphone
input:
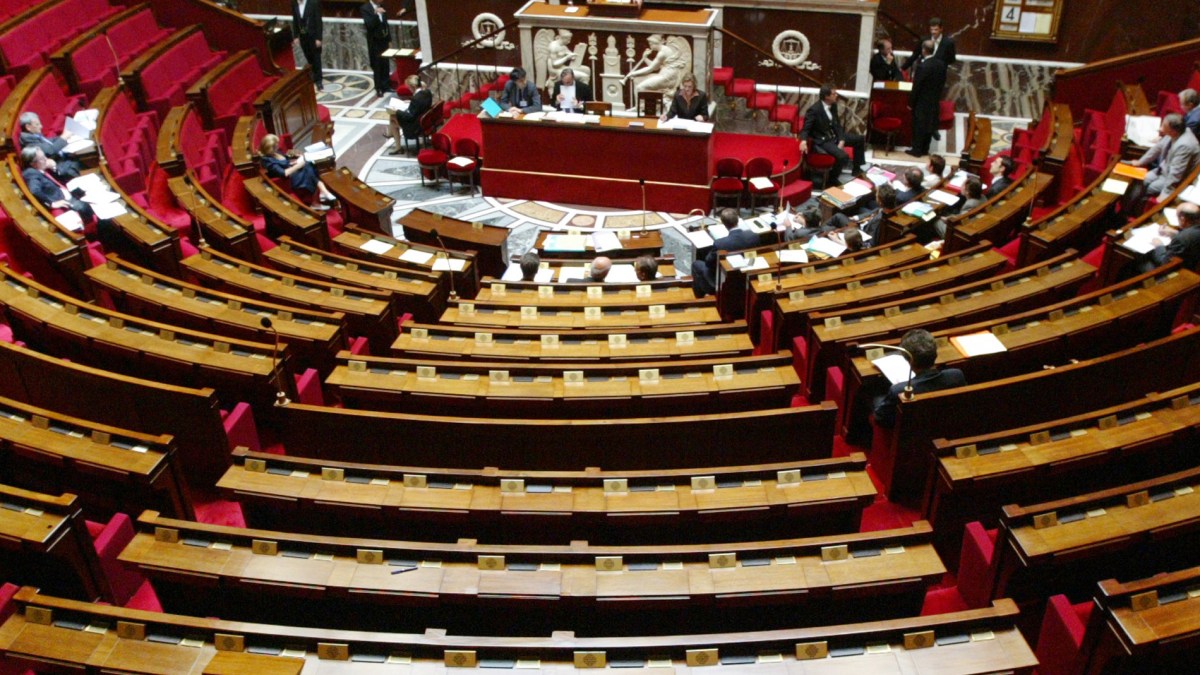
(642, 182)
(281, 398)
(449, 268)
(782, 184)
(908, 393)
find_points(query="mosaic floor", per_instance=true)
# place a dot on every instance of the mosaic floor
(360, 120)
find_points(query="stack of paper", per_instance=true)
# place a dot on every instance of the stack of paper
(70, 220)
(762, 183)
(605, 240)
(565, 242)
(1141, 239)
(789, 255)
(395, 104)
(879, 176)
(1115, 186)
(378, 247)
(459, 162)
(743, 263)
(944, 197)
(453, 264)
(718, 230)
(570, 272)
(81, 126)
(1191, 194)
(416, 257)
(919, 210)
(837, 196)
(825, 246)
(894, 367)
(960, 179)
(858, 187)
(1143, 129)
(621, 274)
(317, 152)
(699, 238)
(978, 344)
(106, 204)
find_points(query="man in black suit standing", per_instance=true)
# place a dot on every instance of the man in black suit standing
(925, 99)
(943, 47)
(308, 30)
(409, 119)
(569, 93)
(823, 127)
(704, 272)
(379, 36)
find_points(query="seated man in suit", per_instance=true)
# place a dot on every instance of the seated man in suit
(520, 96)
(972, 195)
(1171, 158)
(912, 180)
(823, 127)
(935, 171)
(570, 94)
(409, 120)
(62, 164)
(600, 267)
(868, 219)
(926, 376)
(646, 268)
(704, 272)
(1184, 244)
(1189, 100)
(1002, 168)
(531, 262)
(53, 194)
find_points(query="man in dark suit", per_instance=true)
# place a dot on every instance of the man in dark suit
(308, 29)
(569, 93)
(823, 127)
(926, 376)
(884, 65)
(943, 47)
(1002, 169)
(379, 36)
(912, 185)
(1184, 245)
(520, 96)
(62, 164)
(409, 120)
(704, 272)
(925, 99)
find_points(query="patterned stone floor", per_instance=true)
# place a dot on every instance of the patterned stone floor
(360, 120)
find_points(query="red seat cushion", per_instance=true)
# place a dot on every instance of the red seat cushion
(722, 77)
(432, 157)
(763, 100)
(785, 112)
(727, 184)
(886, 124)
(742, 88)
(819, 160)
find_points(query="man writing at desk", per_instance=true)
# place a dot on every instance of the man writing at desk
(570, 94)
(520, 96)
(926, 376)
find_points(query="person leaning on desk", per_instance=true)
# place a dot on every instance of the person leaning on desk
(520, 96)
(689, 102)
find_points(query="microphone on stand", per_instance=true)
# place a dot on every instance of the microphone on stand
(449, 267)
(782, 183)
(908, 393)
(281, 398)
(642, 182)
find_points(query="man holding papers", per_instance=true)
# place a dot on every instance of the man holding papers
(740, 237)
(1184, 245)
(1171, 158)
(926, 376)
(60, 161)
(570, 94)
(408, 120)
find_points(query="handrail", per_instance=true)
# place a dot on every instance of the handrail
(917, 36)
(756, 48)
(472, 43)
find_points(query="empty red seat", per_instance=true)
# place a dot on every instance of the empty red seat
(432, 161)
(722, 77)
(742, 88)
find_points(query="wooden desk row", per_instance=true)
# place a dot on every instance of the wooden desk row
(112, 469)
(553, 391)
(1077, 224)
(357, 242)
(368, 313)
(191, 416)
(313, 337)
(466, 587)
(976, 475)
(63, 251)
(1149, 623)
(638, 243)
(677, 292)
(1026, 399)
(1116, 256)
(833, 336)
(475, 313)
(66, 326)
(439, 341)
(1094, 324)
(758, 437)
(977, 145)
(48, 629)
(488, 242)
(422, 294)
(710, 504)
(997, 219)
(1067, 545)
(47, 543)
(360, 203)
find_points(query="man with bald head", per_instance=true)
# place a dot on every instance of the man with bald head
(600, 268)
(1185, 244)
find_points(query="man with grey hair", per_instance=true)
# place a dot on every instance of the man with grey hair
(1184, 244)
(600, 267)
(569, 93)
(62, 164)
(531, 262)
(1190, 101)
(46, 187)
(1171, 158)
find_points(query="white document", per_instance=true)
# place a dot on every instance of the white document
(1141, 239)
(534, 116)
(742, 263)
(109, 210)
(460, 162)
(512, 272)
(605, 240)
(88, 118)
(86, 182)
(1115, 186)
(543, 276)
(70, 220)
(453, 264)
(718, 231)
(944, 197)
(377, 247)
(416, 257)
(570, 272)
(100, 197)
(825, 245)
(75, 128)
(699, 238)
(1143, 129)
(565, 242)
(793, 255)
(978, 344)
(894, 367)
(858, 188)
(397, 104)
(621, 274)
(762, 182)
(1172, 216)
(78, 146)
(900, 187)
(959, 179)
(1192, 194)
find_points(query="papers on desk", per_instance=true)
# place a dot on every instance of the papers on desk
(879, 176)
(718, 231)
(825, 246)
(70, 220)
(919, 210)
(762, 183)
(682, 124)
(858, 188)
(1172, 216)
(978, 344)
(793, 255)
(1130, 171)
(490, 107)
(741, 262)
(947, 198)
(534, 116)
(565, 242)
(605, 240)
(95, 197)
(416, 257)
(1191, 194)
(572, 272)
(106, 204)
(379, 247)
(959, 179)
(395, 104)
(1143, 129)
(317, 152)
(894, 367)
(837, 196)
(621, 274)
(904, 86)
(544, 275)
(1114, 185)
(87, 182)
(762, 224)
(699, 238)
(1141, 239)
(900, 187)
(453, 264)
(80, 126)
(109, 210)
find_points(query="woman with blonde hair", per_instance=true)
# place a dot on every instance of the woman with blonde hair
(302, 175)
(689, 102)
